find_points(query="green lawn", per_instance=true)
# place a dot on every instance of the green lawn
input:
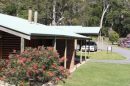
(100, 74)
(103, 55)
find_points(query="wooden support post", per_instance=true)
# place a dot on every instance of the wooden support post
(54, 43)
(102, 41)
(75, 46)
(88, 47)
(85, 51)
(65, 53)
(22, 44)
(81, 52)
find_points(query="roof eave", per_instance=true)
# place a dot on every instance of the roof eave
(16, 33)
(58, 36)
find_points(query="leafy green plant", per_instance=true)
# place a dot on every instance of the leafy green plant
(34, 64)
(113, 36)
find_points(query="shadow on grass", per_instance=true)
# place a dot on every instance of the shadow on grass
(77, 59)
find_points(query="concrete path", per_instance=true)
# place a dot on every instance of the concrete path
(123, 52)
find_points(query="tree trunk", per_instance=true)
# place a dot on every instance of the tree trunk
(54, 13)
(104, 11)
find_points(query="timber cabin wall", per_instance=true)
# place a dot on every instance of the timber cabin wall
(70, 54)
(39, 42)
(70, 51)
(60, 46)
(8, 43)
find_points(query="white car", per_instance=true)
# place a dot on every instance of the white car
(90, 46)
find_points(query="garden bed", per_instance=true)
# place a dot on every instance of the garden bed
(33, 66)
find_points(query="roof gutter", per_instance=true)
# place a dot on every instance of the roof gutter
(64, 36)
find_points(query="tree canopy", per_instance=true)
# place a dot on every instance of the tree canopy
(74, 12)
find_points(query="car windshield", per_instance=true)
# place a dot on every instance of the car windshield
(90, 43)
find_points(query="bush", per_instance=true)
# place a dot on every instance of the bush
(113, 37)
(36, 64)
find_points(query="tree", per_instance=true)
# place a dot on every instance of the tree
(74, 12)
(118, 17)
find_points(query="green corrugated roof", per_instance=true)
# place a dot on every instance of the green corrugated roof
(80, 29)
(31, 28)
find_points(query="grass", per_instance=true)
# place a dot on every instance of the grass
(100, 74)
(121, 47)
(103, 55)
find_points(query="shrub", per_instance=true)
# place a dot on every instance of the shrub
(113, 36)
(36, 64)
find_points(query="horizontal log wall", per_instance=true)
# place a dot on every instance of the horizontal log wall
(70, 54)
(60, 46)
(70, 51)
(9, 43)
(39, 42)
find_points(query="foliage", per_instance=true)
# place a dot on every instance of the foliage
(2, 63)
(113, 36)
(10, 9)
(39, 64)
(74, 12)
(125, 42)
(118, 17)
(104, 31)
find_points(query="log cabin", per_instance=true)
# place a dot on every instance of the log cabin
(17, 33)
